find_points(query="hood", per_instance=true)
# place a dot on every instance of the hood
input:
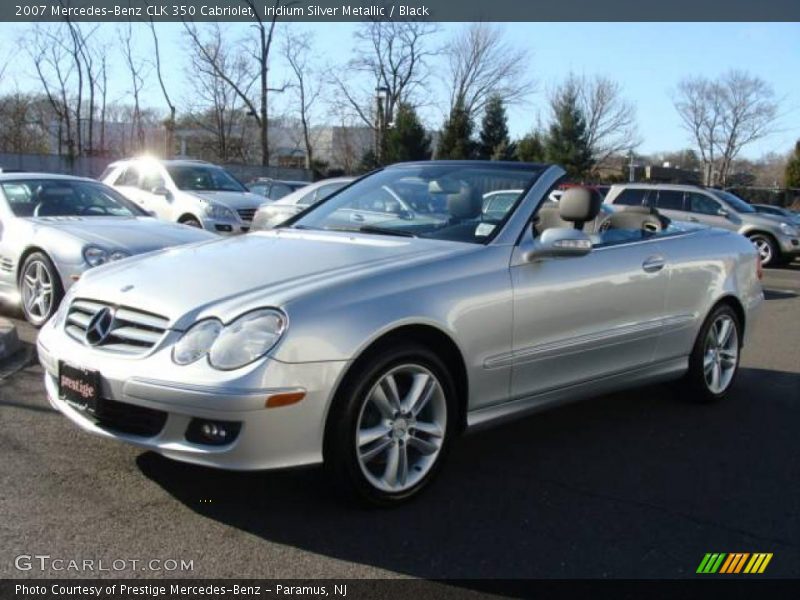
(134, 235)
(228, 276)
(234, 200)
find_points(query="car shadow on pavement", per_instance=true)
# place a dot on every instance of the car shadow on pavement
(638, 484)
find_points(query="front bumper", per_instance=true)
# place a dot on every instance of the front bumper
(789, 245)
(226, 227)
(286, 436)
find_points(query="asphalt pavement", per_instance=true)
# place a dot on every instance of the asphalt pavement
(639, 485)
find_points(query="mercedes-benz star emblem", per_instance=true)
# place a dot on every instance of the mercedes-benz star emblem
(99, 327)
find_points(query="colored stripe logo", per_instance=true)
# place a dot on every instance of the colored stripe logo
(734, 563)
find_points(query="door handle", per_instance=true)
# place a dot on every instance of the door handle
(653, 264)
(692, 219)
(358, 218)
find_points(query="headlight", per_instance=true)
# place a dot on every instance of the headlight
(246, 339)
(788, 229)
(118, 255)
(95, 255)
(217, 211)
(196, 342)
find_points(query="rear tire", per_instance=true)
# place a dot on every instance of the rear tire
(714, 361)
(391, 425)
(767, 249)
(40, 289)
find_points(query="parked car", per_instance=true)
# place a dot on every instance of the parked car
(274, 189)
(778, 211)
(54, 227)
(272, 214)
(369, 348)
(777, 239)
(191, 192)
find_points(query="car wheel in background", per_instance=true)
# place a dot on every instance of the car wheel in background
(391, 425)
(714, 361)
(40, 289)
(191, 222)
(766, 248)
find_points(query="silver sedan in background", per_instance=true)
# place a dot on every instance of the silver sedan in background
(272, 214)
(370, 346)
(55, 227)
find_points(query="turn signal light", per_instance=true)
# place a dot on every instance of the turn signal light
(284, 399)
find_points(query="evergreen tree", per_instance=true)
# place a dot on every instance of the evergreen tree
(567, 142)
(494, 141)
(456, 141)
(792, 177)
(407, 139)
(369, 162)
(531, 148)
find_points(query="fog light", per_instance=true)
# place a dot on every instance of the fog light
(225, 228)
(212, 433)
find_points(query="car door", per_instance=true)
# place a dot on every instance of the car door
(158, 204)
(584, 318)
(708, 210)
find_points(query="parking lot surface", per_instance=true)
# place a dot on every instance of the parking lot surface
(639, 484)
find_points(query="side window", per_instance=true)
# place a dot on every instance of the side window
(278, 191)
(151, 180)
(129, 176)
(631, 197)
(670, 200)
(701, 204)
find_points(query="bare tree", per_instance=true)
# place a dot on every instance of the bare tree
(219, 109)
(259, 56)
(169, 123)
(723, 116)
(136, 69)
(483, 65)
(54, 69)
(610, 119)
(307, 86)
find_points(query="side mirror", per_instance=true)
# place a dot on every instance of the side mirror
(160, 191)
(559, 243)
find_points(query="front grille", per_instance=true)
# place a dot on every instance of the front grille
(128, 418)
(132, 331)
(247, 214)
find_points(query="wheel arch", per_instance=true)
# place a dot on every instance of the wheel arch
(189, 215)
(426, 335)
(738, 308)
(31, 250)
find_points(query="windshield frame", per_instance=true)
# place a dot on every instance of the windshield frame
(534, 170)
(135, 210)
(726, 196)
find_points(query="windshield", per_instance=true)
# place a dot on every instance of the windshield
(735, 202)
(204, 178)
(436, 200)
(66, 198)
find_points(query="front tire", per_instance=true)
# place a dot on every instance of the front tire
(767, 249)
(391, 425)
(714, 362)
(40, 289)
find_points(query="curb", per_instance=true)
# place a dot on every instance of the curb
(9, 341)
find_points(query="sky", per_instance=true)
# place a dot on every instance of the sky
(647, 59)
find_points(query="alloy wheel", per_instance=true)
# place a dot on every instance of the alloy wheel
(37, 291)
(764, 248)
(721, 353)
(401, 428)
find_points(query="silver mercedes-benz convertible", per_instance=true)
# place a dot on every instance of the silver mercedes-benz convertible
(55, 227)
(370, 344)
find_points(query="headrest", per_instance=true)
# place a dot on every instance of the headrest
(579, 205)
(54, 192)
(462, 201)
